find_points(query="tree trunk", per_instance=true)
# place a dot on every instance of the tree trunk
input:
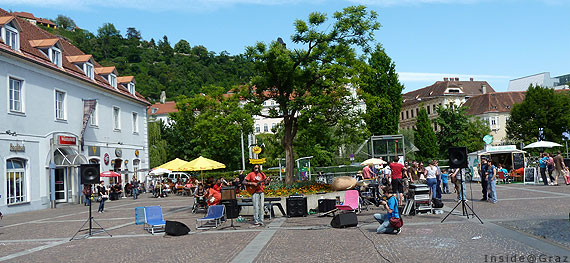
(289, 133)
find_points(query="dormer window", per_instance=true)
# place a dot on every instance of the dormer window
(128, 82)
(51, 48)
(10, 32)
(113, 80)
(88, 69)
(55, 56)
(84, 63)
(131, 87)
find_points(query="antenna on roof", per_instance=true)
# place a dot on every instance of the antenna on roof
(163, 97)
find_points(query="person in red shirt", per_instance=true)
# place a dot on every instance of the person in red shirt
(397, 184)
(213, 197)
(367, 172)
(255, 182)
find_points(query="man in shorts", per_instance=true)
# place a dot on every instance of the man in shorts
(397, 184)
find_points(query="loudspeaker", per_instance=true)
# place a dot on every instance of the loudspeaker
(175, 228)
(232, 208)
(228, 193)
(89, 173)
(344, 220)
(458, 157)
(296, 206)
(326, 205)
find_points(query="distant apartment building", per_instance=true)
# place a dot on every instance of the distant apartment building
(160, 111)
(35, 20)
(541, 79)
(441, 93)
(494, 109)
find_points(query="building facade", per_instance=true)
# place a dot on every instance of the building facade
(50, 88)
(495, 110)
(441, 93)
(541, 79)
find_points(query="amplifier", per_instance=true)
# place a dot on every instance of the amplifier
(326, 205)
(296, 206)
(228, 193)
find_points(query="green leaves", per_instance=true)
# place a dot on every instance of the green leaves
(456, 129)
(424, 137)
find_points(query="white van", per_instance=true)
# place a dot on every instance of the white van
(174, 176)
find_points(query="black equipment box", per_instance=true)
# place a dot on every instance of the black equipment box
(296, 206)
(326, 205)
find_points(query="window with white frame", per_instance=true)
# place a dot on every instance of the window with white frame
(257, 128)
(88, 69)
(93, 119)
(494, 122)
(59, 105)
(265, 127)
(131, 87)
(113, 80)
(135, 122)
(16, 181)
(11, 37)
(15, 96)
(273, 125)
(116, 118)
(55, 56)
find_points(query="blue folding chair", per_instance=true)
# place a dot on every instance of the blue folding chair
(139, 215)
(153, 219)
(215, 213)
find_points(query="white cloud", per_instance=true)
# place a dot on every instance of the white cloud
(432, 77)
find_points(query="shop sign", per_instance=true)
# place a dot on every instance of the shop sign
(17, 148)
(94, 150)
(106, 159)
(500, 148)
(257, 161)
(67, 140)
(118, 152)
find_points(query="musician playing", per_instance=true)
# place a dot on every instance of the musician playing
(255, 182)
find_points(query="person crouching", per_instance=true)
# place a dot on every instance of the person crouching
(391, 206)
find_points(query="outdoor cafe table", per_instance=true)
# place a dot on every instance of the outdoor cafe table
(268, 202)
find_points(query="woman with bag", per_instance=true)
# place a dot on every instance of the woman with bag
(103, 196)
(391, 222)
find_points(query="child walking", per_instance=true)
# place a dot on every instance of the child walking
(444, 176)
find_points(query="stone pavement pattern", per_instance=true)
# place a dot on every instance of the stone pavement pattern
(528, 220)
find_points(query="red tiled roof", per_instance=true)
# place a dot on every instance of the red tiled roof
(29, 32)
(45, 21)
(439, 88)
(494, 102)
(162, 108)
(25, 15)
(44, 42)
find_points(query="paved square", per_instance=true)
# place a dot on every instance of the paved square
(528, 221)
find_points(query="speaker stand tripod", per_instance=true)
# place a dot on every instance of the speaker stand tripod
(90, 220)
(462, 202)
(232, 225)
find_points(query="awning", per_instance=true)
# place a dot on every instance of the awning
(67, 156)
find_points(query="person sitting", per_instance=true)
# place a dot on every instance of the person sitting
(218, 185)
(392, 211)
(213, 197)
(505, 172)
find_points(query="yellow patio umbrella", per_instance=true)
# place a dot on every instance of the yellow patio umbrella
(174, 165)
(202, 164)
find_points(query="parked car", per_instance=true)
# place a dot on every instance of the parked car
(174, 176)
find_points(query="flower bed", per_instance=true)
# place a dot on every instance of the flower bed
(279, 189)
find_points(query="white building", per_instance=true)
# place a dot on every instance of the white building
(48, 86)
(541, 79)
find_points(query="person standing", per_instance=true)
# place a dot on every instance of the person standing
(459, 184)
(542, 164)
(367, 172)
(135, 185)
(483, 167)
(256, 180)
(241, 177)
(104, 194)
(87, 194)
(431, 178)
(444, 177)
(559, 167)
(392, 211)
(492, 179)
(438, 177)
(550, 166)
(397, 184)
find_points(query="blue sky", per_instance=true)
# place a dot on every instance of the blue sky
(493, 40)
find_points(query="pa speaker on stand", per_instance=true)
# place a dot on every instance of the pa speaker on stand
(89, 173)
(458, 157)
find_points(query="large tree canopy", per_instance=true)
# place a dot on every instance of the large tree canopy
(382, 93)
(541, 108)
(312, 79)
(424, 137)
(456, 129)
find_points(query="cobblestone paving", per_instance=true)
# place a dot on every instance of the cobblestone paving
(526, 219)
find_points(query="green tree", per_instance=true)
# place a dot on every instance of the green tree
(65, 22)
(133, 33)
(182, 47)
(310, 80)
(541, 108)
(109, 39)
(157, 145)
(211, 126)
(424, 137)
(456, 129)
(382, 93)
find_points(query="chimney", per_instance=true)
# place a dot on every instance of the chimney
(484, 89)
(445, 79)
(471, 79)
(456, 79)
